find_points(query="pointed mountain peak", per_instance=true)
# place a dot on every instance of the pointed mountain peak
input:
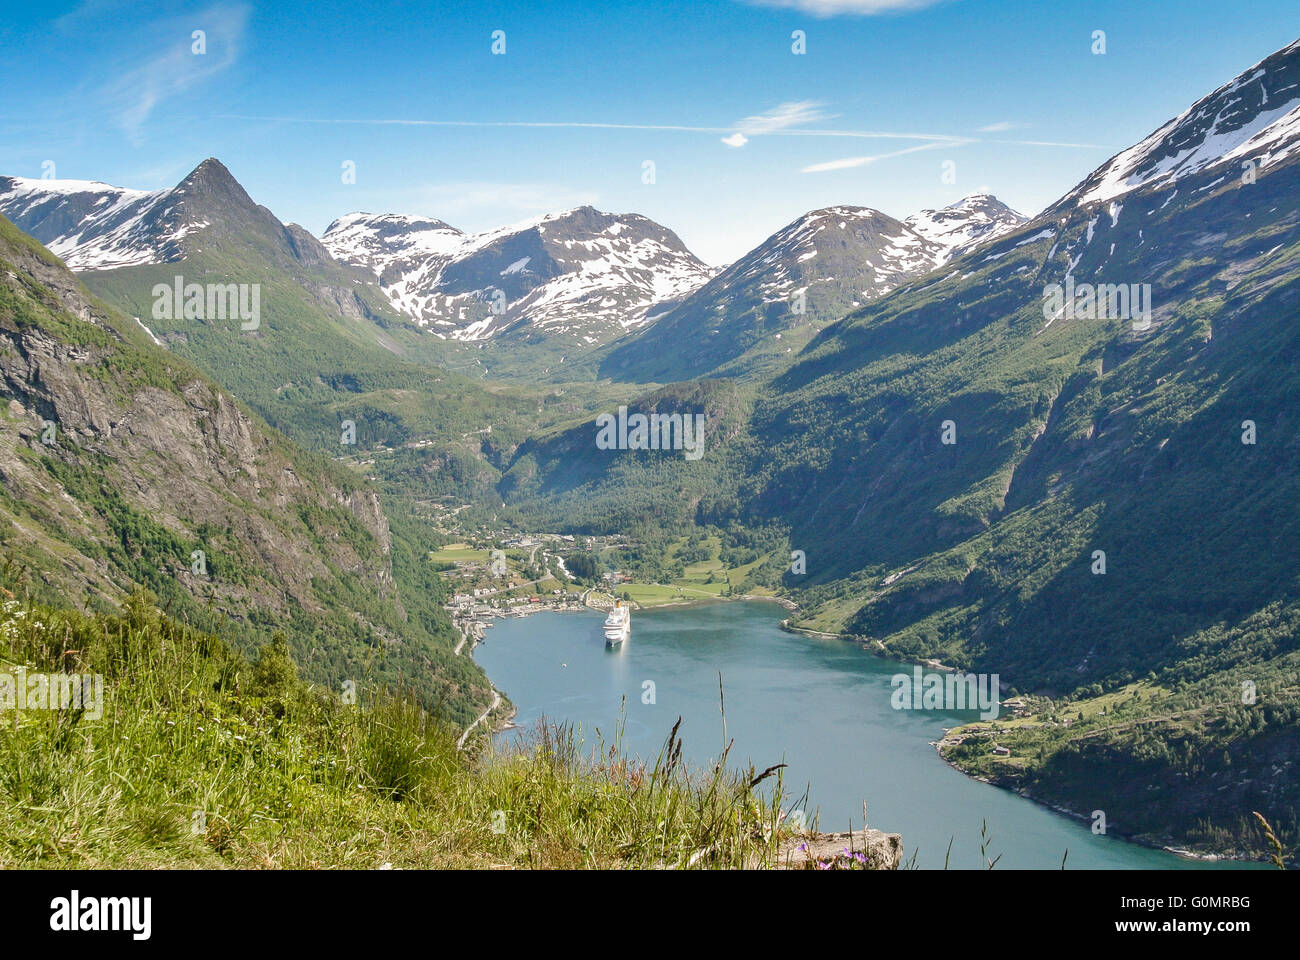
(98, 227)
(210, 180)
(211, 167)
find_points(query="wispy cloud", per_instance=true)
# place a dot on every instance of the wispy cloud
(1049, 143)
(780, 119)
(854, 8)
(166, 65)
(794, 114)
(455, 199)
(849, 162)
(777, 123)
(1002, 126)
(770, 130)
(87, 12)
(936, 142)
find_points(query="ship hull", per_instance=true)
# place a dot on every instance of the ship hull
(617, 626)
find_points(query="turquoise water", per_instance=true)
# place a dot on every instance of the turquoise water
(822, 706)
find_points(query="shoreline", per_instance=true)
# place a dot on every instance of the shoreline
(1141, 840)
(476, 629)
(506, 722)
(1150, 843)
(704, 601)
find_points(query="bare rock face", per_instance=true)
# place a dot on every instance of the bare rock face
(184, 458)
(124, 467)
(861, 850)
(90, 435)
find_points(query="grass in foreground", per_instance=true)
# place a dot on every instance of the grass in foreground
(202, 758)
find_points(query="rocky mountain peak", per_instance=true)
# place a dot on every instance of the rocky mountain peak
(211, 184)
(1256, 115)
(961, 226)
(580, 273)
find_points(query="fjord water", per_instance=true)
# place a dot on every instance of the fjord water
(822, 706)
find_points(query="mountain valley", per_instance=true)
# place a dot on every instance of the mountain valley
(904, 439)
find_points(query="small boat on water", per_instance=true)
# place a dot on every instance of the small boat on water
(618, 625)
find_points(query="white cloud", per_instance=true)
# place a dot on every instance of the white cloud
(1000, 127)
(780, 119)
(764, 125)
(792, 114)
(169, 67)
(850, 162)
(858, 8)
(777, 123)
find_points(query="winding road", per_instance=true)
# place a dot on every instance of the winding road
(496, 702)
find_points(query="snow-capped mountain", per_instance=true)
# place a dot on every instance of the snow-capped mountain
(394, 247)
(964, 225)
(1255, 115)
(95, 226)
(580, 273)
(860, 252)
(1135, 205)
(92, 225)
(207, 226)
(812, 271)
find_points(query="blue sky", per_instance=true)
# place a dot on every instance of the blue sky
(1006, 91)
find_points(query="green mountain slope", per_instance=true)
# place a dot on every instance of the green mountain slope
(750, 318)
(565, 479)
(325, 346)
(154, 477)
(1072, 435)
(1166, 442)
(1077, 437)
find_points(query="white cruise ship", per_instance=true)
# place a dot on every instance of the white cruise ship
(618, 624)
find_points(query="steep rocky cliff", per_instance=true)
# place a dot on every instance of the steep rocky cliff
(122, 467)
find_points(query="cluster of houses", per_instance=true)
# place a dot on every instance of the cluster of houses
(463, 606)
(472, 570)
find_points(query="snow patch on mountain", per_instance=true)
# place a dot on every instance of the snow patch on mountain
(580, 272)
(92, 225)
(959, 227)
(387, 237)
(1255, 115)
